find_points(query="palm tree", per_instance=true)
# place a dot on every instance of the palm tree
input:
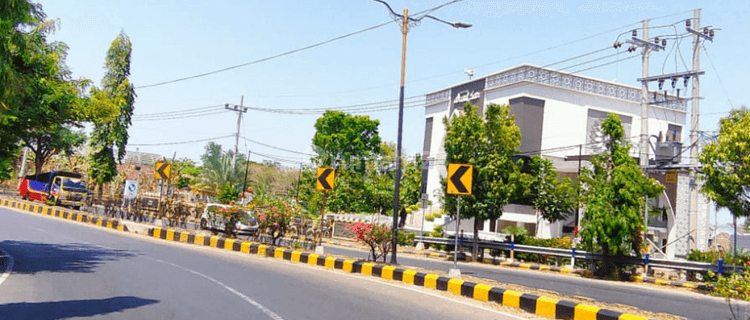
(217, 170)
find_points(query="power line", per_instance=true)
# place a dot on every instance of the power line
(578, 56)
(277, 148)
(411, 104)
(264, 59)
(604, 64)
(717, 74)
(180, 142)
(278, 158)
(182, 116)
(178, 111)
(590, 61)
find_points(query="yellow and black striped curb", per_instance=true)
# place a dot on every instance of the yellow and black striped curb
(583, 272)
(540, 305)
(65, 214)
(683, 284)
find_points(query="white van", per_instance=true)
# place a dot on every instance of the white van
(214, 221)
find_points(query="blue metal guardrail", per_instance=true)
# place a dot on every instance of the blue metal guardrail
(584, 255)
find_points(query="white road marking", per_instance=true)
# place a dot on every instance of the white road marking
(249, 300)
(382, 281)
(8, 266)
(37, 229)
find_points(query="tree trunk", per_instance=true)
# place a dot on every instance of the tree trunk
(99, 192)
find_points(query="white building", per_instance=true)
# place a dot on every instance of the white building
(558, 113)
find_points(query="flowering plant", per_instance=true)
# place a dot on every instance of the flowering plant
(377, 236)
(229, 217)
(274, 216)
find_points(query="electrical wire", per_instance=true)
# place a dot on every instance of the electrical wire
(182, 116)
(604, 64)
(180, 142)
(703, 45)
(263, 59)
(277, 148)
(578, 56)
(590, 61)
(178, 111)
(281, 54)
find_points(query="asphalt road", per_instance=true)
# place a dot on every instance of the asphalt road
(661, 300)
(67, 270)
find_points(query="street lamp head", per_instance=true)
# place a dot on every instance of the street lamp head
(461, 25)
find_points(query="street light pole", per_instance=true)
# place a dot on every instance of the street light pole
(396, 190)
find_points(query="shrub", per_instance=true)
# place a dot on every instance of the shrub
(377, 236)
(520, 233)
(405, 238)
(437, 232)
(274, 215)
(712, 256)
(429, 218)
(735, 286)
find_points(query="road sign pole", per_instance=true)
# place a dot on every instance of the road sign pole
(322, 214)
(455, 272)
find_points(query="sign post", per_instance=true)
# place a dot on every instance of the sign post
(459, 183)
(420, 244)
(162, 173)
(324, 182)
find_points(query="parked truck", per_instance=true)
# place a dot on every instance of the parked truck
(58, 187)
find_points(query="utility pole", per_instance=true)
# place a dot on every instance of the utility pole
(692, 26)
(644, 99)
(240, 110)
(694, 128)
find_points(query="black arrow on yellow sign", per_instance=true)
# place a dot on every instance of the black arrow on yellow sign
(162, 170)
(325, 179)
(459, 179)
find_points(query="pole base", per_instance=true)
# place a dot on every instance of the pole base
(454, 273)
(420, 246)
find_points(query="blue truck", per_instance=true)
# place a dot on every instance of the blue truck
(58, 187)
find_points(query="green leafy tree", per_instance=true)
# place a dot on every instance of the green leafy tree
(555, 198)
(726, 164)
(344, 137)
(62, 140)
(487, 142)
(217, 171)
(378, 188)
(186, 172)
(615, 195)
(22, 64)
(117, 92)
(37, 97)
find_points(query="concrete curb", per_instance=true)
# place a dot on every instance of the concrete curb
(65, 214)
(539, 305)
(567, 270)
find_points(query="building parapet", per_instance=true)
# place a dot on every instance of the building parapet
(577, 83)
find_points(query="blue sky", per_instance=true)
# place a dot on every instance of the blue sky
(176, 39)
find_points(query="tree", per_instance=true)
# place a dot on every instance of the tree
(487, 142)
(217, 171)
(45, 145)
(726, 163)
(37, 97)
(554, 198)
(186, 172)
(21, 65)
(615, 197)
(343, 137)
(116, 91)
